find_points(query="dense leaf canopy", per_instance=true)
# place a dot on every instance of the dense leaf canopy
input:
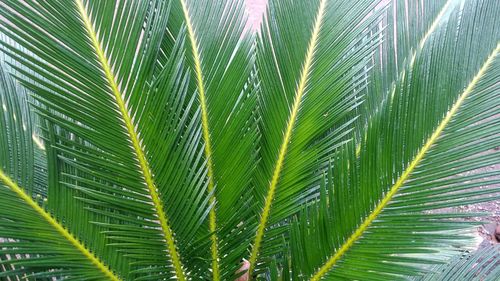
(162, 139)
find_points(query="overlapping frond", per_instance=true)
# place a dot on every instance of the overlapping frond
(311, 58)
(130, 147)
(32, 237)
(16, 138)
(406, 26)
(177, 144)
(20, 143)
(427, 143)
(482, 264)
(220, 53)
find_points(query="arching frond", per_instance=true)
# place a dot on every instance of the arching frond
(161, 139)
(483, 264)
(427, 142)
(33, 237)
(406, 26)
(221, 57)
(309, 55)
(125, 128)
(17, 152)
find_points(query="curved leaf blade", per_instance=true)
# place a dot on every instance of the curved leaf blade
(410, 148)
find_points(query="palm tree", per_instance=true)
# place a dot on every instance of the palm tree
(155, 140)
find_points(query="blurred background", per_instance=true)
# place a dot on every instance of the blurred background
(255, 10)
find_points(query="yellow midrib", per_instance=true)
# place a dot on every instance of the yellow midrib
(206, 138)
(287, 136)
(58, 227)
(143, 162)
(406, 174)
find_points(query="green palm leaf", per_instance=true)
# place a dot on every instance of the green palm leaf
(23, 155)
(22, 216)
(480, 265)
(221, 58)
(159, 139)
(388, 222)
(307, 64)
(16, 138)
(406, 26)
(102, 91)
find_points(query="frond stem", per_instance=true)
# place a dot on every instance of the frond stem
(134, 138)
(206, 138)
(407, 173)
(301, 88)
(59, 228)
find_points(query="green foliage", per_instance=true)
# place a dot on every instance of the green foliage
(157, 140)
(480, 265)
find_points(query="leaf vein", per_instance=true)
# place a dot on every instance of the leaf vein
(301, 88)
(59, 228)
(134, 138)
(206, 137)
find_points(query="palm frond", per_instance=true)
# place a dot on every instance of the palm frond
(308, 62)
(98, 88)
(221, 57)
(16, 138)
(57, 241)
(433, 119)
(23, 154)
(407, 25)
(24, 222)
(480, 265)
(158, 140)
